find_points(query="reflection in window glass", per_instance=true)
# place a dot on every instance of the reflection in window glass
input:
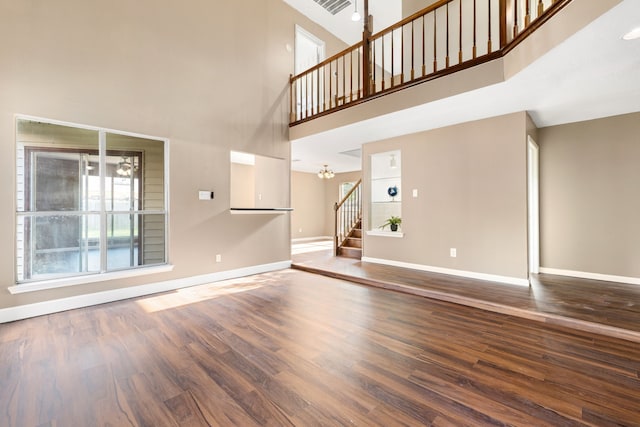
(74, 217)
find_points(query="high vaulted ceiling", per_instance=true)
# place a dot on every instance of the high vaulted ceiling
(385, 13)
(592, 74)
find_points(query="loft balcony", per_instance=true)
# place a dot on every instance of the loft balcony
(444, 38)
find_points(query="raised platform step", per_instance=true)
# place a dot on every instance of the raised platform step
(505, 299)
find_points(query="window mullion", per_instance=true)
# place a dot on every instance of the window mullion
(102, 138)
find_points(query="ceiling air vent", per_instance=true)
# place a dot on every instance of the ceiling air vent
(333, 6)
(353, 153)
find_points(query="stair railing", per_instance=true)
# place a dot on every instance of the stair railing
(445, 37)
(347, 213)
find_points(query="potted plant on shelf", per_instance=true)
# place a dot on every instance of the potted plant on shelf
(392, 222)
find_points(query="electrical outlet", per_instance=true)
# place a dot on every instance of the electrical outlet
(453, 252)
(300, 230)
(218, 258)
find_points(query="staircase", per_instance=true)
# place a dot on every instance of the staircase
(348, 224)
(351, 247)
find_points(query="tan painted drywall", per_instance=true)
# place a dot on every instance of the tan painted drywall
(409, 7)
(309, 206)
(208, 76)
(242, 186)
(589, 196)
(472, 196)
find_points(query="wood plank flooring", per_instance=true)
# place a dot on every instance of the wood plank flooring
(607, 308)
(296, 349)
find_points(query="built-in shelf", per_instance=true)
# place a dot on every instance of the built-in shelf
(250, 211)
(385, 203)
(381, 233)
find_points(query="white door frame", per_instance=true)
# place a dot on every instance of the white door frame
(533, 205)
(301, 33)
(309, 51)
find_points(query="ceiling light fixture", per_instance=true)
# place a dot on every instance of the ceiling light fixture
(326, 173)
(124, 167)
(392, 162)
(355, 17)
(632, 35)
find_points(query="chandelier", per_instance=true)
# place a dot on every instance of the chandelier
(326, 173)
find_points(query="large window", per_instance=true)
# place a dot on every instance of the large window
(89, 201)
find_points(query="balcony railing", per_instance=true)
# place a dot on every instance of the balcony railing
(445, 37)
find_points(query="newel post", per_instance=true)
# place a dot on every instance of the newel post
(366, 51)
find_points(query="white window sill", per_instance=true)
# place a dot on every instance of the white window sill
(397, 234)
(89, 278)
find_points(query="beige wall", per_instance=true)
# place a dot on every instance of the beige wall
(590, 196)
(188, 73)
(242, 186)
(472, 196)
(409, 7)
(312, 201)
(309, 206)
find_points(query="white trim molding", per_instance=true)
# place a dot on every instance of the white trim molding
(397, 234)
(311, 239)
(11, 314)
(87, 278)
(452, 272)
(591, 276)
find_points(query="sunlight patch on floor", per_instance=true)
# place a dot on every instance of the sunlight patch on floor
(195, 294)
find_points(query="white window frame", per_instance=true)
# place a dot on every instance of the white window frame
(84, 278)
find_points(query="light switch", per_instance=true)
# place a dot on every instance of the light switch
(205, 195)
(415, 192)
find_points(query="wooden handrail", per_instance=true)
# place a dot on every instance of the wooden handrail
(344, 199)
(331, 86)
(346, 214)
(418, 14)
(327, 61)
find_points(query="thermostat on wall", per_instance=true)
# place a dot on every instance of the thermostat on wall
(205, 195)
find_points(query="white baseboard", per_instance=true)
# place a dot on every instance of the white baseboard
(311, 239)
(468, 274)
(592, 276)
(11, 314)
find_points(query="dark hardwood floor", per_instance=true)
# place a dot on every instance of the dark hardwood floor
(596, 306)
(293, 348)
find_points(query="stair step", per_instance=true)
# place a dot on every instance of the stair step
(356, 232)
(352, 242)
(350, 252)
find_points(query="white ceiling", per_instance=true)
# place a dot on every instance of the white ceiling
(592, 74)
(385, 13)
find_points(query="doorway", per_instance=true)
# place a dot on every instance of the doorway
(309, 51)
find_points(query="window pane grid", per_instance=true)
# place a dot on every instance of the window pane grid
(81, 196)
